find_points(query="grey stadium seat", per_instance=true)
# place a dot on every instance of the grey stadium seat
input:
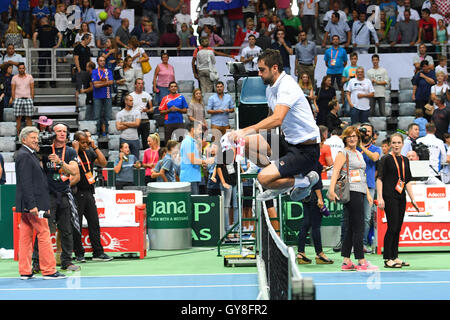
(91, 125)
(405, 95)
(112, 127)
(381, 136)
(404, 121)
(8, 129)
(407, 109)
(379, 123)
(388, 109)
(113, 142)
(8, 156)
(185, 86)
(113, 155)
(231, 86)
(404, 84)
(7, 144)
(8, 115)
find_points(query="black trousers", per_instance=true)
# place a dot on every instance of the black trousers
(60, 212)
(354, 234)
(312, 218)
(87, 208)
(144, 131)
(395, 213)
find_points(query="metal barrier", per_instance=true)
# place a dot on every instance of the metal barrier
(38, 60)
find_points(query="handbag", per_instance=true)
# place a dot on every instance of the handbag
(213, 74)
(342, 187)
(146, 67)
(429, 109)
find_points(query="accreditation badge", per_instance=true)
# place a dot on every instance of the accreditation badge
(90, 177)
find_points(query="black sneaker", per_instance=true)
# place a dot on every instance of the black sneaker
(337, 248)
(103, 257)
(54, 276)
(80, 259)
(27, 276)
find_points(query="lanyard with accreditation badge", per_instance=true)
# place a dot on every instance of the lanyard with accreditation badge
(400, 183)
(60, 175)
(89, 176)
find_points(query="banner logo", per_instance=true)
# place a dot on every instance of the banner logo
(125, 198)
(436, 192)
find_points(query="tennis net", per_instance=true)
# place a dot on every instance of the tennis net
(279, 277)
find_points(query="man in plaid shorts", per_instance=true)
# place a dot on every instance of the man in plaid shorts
(22, 96)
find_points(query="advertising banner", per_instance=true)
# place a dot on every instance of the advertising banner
(206, 220)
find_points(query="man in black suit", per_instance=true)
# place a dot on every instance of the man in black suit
(32, 196)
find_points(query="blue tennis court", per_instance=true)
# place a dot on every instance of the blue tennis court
(382, 285)
(167, 287)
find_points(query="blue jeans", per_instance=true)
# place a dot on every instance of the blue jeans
(230, 201)
(102, 112)
(367, 216)
(163, 91)
(134, 146)
(359, 116)
(287, 70)
(23, 19)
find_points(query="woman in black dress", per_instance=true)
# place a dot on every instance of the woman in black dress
(393, 180)
(324, 95)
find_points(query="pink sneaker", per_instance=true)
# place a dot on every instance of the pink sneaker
(348, 267)
(366, 267)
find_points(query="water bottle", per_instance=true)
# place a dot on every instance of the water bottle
(324, 211)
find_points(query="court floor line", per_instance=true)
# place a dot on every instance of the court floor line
(382, 282)
(132, 287)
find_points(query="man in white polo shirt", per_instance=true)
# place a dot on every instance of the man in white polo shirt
(436, 147)
(298, 143)
(142, 102)
(359, 92)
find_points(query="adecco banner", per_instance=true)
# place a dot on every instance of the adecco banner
(418, 234)
(433, 202)
(115, 208)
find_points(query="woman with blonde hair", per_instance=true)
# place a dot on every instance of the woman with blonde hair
(13, 35)
(306, 85)
(151, 156)
(196, 110)
(351, 160)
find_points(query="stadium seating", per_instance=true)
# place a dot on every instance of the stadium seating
(406, 109)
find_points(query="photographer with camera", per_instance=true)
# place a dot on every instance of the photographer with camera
(438, 154)
(410, 141)
(31, 200)
(371, 155)
(88, 156)
(60, 162)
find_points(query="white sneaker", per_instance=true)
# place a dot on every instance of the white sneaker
(270, 194)
(300, 193)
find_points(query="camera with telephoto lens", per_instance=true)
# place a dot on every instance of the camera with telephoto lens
(363, 131)
(45, 142)
(422, 151)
